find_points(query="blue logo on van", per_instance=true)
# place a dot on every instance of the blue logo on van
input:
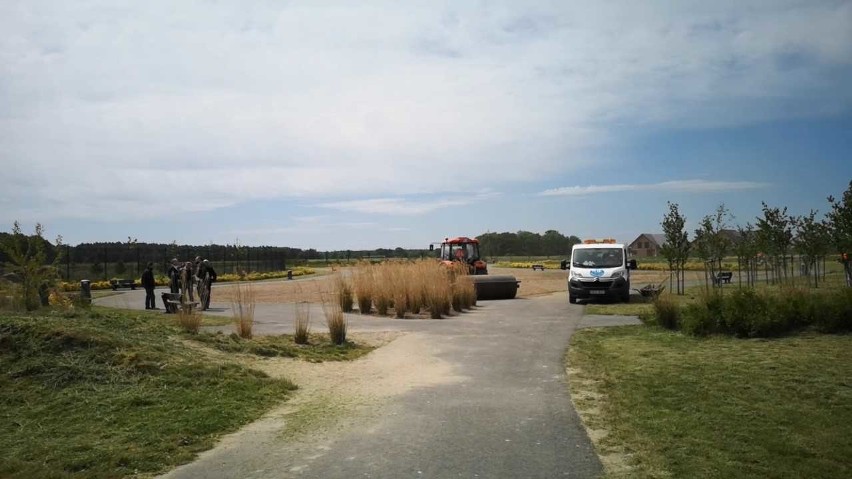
(596, 273)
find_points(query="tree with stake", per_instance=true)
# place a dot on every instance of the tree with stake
(840, 228)
(677, 245)
(28, 259)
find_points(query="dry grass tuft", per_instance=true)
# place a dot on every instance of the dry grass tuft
(344, 293)
(362, 278)
(335, 321)
(242, 308)
(189, 320)
(303, 322)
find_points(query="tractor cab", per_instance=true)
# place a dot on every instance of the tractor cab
(464, 250)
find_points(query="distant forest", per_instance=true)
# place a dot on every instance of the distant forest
(522, 243)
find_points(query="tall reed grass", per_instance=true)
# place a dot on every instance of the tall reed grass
(344, 289)
(189, 320)
(242, 309)
(409, 287)
(335, 320)
(362, 279)
(302, 324)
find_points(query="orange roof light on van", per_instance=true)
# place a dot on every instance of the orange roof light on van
(602, 241)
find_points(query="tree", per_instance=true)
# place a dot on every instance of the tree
(676, 247)
(711, 242)
(27, 257)
(840, 229)
(746, 250)
(775, 236)
(811, 242)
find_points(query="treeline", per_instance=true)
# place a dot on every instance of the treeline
(525, 243)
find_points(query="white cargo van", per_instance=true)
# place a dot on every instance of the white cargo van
(599, 269)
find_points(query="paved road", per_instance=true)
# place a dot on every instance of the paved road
(511, 417)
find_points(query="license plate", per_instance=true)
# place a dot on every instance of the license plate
(597, 291)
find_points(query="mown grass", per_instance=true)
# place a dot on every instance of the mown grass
(318, 349)
(110, 394)
(678, 406)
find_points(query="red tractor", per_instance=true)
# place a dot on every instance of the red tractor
(466, 250)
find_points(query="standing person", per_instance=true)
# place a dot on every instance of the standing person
(206, 278)
(148, 283)
(174, 276)
(187, 278)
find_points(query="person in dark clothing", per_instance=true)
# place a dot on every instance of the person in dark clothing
(206, 278)
(148, 283)
(174, 276)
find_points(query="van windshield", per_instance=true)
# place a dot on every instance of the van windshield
(597, 258)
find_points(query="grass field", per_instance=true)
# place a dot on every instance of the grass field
(660, 404)
(116, 394)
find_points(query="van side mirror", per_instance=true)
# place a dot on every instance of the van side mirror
(631, 264)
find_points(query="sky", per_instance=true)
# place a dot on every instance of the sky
(363, 125)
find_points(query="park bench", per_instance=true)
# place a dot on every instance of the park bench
(539, 267)
(723, 277)
(122, 283)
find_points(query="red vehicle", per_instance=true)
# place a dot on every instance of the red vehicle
(466, 250)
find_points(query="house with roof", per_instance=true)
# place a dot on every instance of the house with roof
(647, 244)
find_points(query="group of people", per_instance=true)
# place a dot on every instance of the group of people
(185, 279)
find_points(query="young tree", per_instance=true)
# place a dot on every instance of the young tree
(746, 250)
(676, 247)
(711, 243)
(775, 237)
(28, 259)
(840, 229)
(811, 242)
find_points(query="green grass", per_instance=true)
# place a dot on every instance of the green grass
(717, 407)
(318, 349)
(113, 394)
(638, 306)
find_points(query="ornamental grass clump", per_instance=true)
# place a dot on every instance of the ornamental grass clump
(362, 279)
(437, 290)
(668, 311)
(242, 308)
(335, 321)
(383, 287)
(189, 320)
(344, 293)
(302, 323)
(399, 274)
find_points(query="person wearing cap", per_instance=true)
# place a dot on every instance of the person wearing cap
(148, 283)
(174, 276)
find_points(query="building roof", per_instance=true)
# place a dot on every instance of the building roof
(658, 239)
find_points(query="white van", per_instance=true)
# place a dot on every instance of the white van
(599, 269)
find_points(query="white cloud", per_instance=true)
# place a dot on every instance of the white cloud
(190, 106)
(404, 207)
(692, 186)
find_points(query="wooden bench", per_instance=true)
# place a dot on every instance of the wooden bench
(122, 283)
(539, 267)
(723, 277)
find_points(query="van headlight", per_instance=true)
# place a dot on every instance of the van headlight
(617, 274)
(576, 274)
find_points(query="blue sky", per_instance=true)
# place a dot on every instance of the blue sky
(331, 125)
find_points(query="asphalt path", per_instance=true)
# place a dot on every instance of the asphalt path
(511, 416)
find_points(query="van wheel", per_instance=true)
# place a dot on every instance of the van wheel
(626, 298)
(572, 299)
